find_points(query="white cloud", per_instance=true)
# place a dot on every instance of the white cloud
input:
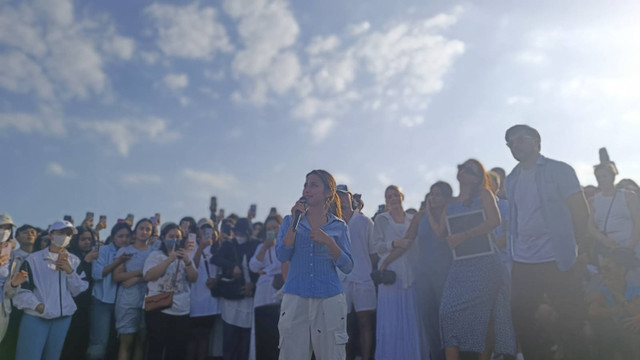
(411, 121)
(342, 178)
(54, 168)
(54, 55)
(284, 72)
(320, 129)
(519, 100)
(321, 45)
(358, 29)
(150, 57)
(125, 133)
(18, 73)
(138, 178)
(336, 75)
(391, 72)
(120, 46)
(305, 109)
(220, 181)
(176, 81)
(384, 179)
(189, 31)
(267, 30)
(46, 122)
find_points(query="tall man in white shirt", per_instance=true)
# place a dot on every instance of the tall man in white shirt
(548, 216)
(358, 287)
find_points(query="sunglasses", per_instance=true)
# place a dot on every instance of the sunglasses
(467, 170)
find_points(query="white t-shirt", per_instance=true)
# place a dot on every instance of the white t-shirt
(360, 229)
(533, 242)
(202, 303)
(181, 302)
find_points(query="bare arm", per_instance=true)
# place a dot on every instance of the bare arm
(633, 203)
(492, 219)
(580, 214)
(192, 274)
(120, 275)
(155, 272)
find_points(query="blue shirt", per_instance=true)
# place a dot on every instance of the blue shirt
(312, 272)
(104, 288)
(556, 182)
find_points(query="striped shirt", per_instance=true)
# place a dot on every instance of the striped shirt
(312, 273)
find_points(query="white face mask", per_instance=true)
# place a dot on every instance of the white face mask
(60, 240)
(4, 234)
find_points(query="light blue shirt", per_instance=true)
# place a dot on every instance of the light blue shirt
(133, 296)
(104, 288)
(312, 273)
(555, 182)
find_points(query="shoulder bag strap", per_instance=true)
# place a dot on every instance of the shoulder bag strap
(606, 219)
(175, 276)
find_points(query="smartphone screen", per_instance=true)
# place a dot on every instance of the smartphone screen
(89, 215)
(192, 238)
(103, 219)
(252, 209)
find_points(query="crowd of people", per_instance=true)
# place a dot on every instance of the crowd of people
(531, 266)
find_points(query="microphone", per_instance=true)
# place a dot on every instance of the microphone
(298, 215)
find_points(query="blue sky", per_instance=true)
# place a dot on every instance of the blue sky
(143, 107)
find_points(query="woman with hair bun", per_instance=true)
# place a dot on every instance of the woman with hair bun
(313, 312)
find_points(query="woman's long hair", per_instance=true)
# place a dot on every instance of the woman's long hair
(115, 229)
(163, 234)
(333, 201)
(484, 184)
(74, 248)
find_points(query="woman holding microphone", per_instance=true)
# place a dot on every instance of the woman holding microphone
(314, 311)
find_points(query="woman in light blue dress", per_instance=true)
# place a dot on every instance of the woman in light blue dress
(398, 330)
(474, 313)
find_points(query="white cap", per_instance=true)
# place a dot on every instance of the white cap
(61, 225)
(205, 221)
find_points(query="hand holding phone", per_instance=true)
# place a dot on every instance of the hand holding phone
(5, 254)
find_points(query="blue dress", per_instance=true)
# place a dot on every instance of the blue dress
(431, 271)
(476, 288)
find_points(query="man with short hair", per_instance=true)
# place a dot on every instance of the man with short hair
(547, 218)
(358, 287)
(26, 237)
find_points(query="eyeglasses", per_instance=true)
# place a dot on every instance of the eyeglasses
(518, 139)
(467, 170)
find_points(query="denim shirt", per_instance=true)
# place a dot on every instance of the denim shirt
(104, 288)
(556, 182)
(312, 273)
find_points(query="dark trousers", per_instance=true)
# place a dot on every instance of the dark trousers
(537, 284)
(266, 323)
(168, 335)
(235, 342)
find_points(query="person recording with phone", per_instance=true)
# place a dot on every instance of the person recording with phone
(315, 240)
(83, 245)
(205, 309)
(237, 311)
(169, 269)
(47, 296)
(266, 302)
